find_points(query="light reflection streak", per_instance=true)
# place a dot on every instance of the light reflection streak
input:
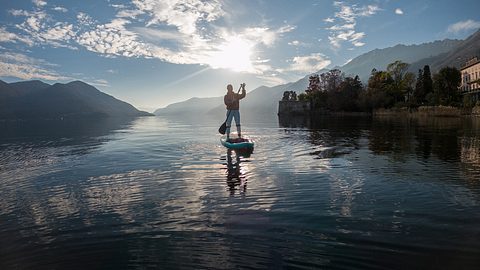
(345, 185)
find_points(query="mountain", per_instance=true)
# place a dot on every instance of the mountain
(35, 99)
(380, 58)
(463, 51)
(193, 106)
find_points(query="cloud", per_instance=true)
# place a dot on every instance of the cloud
(264, 35)
(99, 83)
(6, 36)
(113, 39)
(329, 20)
(128, 13)
(39, 3)
(119, 6)
(63, 32)
(398, 11)
(24, 67)
(346, 17)
(311, 63)
(185, 16)
(151, 34)
(463, 26)
(60, 9)
(85, 20)
(40, 31)
(18, 12)
(350, 36)
(174, 31)
(347, 26)
(294, 43)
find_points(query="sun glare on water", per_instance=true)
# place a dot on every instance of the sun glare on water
(234, 55)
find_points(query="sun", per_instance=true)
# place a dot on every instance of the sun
(234, 54)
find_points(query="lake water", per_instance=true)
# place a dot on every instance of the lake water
(330, 193)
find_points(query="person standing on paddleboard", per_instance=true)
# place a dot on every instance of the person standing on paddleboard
(232, 101)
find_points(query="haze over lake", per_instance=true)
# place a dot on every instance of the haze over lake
(163, 193)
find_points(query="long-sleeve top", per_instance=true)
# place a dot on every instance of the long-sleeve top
(231, 99)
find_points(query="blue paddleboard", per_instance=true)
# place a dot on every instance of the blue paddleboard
(237, 143)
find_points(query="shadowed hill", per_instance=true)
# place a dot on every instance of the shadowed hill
(456, 57)
(37, 100)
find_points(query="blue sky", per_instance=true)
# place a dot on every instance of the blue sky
(154, 52)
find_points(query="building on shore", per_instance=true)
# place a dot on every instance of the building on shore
(291, 106)
(471, 79)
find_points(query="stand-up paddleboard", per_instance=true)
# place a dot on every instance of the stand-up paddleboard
(237, 143)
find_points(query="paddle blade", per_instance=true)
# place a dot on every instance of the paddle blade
(223, 128)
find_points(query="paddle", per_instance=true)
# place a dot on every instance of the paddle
(223, 128)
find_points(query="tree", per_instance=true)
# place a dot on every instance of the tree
(329, 81)
(445, 85)
(345, 98)
(407, 85)
(427, 80)
(401, 87)
(397, 70)
(377, 94)
(419, 93)
(302, 97)
(314, 84)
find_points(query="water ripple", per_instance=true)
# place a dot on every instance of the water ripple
(156, 193)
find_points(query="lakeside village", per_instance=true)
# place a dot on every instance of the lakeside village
(449, 92)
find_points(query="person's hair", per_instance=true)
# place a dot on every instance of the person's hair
(229, 87)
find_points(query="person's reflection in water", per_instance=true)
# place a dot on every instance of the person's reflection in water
(235, 177)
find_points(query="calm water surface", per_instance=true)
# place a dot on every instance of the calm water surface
(332, 193)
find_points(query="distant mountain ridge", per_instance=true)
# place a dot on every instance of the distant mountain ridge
(264, 100)
(193, 105)
(380, 58)
(39, 100)
(457, 57)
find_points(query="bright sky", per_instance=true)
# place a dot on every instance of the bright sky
(155, 52)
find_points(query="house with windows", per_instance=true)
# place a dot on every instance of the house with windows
(471, 79)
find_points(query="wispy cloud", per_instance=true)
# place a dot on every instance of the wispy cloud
(329, 20)
(398, 11)
(6, 36)
(99, 83)
(27, 68)
(310, 63)
(463, 26)
(128, 13)
(346, 21)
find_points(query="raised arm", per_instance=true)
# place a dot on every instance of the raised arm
(244, 92)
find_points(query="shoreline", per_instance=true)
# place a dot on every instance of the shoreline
(422, 111)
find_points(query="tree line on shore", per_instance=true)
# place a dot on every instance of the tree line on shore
(393, 87)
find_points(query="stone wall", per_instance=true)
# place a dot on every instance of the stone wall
(436, 111)
(288, 107)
